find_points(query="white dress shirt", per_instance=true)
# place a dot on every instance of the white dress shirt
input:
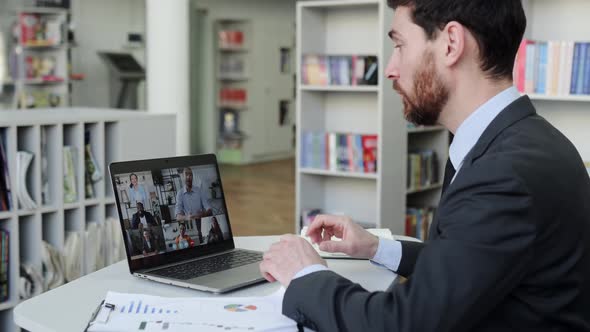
(389, 252)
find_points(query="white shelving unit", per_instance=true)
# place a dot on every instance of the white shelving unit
(115, 135)
(568, 113)
(358, 27)
(32, 92)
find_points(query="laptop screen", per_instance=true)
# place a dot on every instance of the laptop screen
(170, 212)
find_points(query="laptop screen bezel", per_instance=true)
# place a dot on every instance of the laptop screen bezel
(150, 262)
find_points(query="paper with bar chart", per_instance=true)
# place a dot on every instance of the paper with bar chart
(146, 313)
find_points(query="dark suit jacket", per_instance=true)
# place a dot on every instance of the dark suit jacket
(153, 245)
(509, 249)
(135, 221)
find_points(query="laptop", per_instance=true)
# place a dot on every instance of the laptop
(176, 227)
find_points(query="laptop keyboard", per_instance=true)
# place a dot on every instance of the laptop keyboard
(209, 265)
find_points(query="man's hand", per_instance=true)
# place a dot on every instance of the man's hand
(287, 257)
(356, 241)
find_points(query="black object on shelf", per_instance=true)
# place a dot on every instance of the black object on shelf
(126, 74)
(53, 3)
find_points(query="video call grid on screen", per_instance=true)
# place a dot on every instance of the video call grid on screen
(160, 216)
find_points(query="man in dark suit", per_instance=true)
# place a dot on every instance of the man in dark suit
(150, 245)
(509, 248)
(142, 217)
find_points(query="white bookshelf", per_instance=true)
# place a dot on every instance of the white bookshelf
(567, 113)
(339, 88)
(559, 98)
(259, 136)
(115, 136)
(27, 89)
(358, 27)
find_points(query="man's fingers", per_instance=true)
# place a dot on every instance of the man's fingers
(319, 224)
(327, 235)
(334, 246)
(264, 271)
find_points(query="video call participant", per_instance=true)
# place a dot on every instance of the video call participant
(136, 191)
(215, 233)
(149, 243)
(191, 203)
(183, 241)
(142, 217)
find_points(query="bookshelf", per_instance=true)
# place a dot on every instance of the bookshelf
(113, 136)
(41, 74)
(233, 92)
(358, 28)
(569, 113)
(249, 111)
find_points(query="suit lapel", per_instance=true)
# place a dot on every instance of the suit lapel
(517, 110)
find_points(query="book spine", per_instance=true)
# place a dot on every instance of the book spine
(520, 68)
(575, 68)
(549, 68)
(351, 155)
(581, 68)
(586, 85)
(567, 72)
(529, 75)
(333, 152)
(542, 69)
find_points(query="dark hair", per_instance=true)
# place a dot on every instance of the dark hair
(497, 25)
(130, 175)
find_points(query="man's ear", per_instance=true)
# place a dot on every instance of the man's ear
(453, 41)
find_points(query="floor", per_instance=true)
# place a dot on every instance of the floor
(260, 197)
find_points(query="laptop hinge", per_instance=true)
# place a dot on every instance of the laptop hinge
(183, 262)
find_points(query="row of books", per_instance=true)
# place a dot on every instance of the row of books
(231, 39)
(339, 152)
(339, 70)
(233, 97)
(423, 169)
(232, 66)
(40, 30)
(553, 67)
(418, 221)
(4, 262)
(102, 246)
(5, 189)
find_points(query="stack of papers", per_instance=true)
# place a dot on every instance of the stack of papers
(136, 312)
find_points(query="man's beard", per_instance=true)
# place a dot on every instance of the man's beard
(430, 95)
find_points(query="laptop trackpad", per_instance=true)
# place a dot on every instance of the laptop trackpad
(225, 280)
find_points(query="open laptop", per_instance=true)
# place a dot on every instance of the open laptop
(176, 227)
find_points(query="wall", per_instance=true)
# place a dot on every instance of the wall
(103, 25)
(168, 69)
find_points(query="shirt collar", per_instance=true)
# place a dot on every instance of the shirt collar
(184, 190)
(473, 127)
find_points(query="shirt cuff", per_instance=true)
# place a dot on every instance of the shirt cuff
(389, 254)
(310, 269)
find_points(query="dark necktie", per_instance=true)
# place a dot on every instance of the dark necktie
(449, 174)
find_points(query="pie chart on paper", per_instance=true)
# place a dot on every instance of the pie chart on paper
(240, 307)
